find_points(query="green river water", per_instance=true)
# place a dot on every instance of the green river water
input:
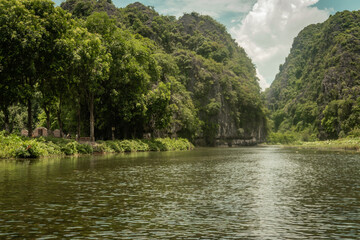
(208, 193)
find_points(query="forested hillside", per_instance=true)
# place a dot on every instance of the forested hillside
(90, 67)
(317, 91)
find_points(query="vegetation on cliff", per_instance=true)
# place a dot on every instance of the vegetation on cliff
(88, 67)
(316, 93)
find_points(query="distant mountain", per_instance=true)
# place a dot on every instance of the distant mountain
(317, 89)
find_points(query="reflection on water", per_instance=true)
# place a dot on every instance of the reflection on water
(210, 193)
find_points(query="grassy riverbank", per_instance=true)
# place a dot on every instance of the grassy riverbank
(352, 144)
(301, 140)
(13, 146)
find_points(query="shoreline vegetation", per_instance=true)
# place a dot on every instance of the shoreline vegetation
(292, 140)
(13, 146)
(346, 144)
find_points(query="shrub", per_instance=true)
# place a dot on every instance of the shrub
(70, 148)
(13, 146)
(30, 149)
(154, 145)
(128, 145)
(115, 146)
(140, 146)
(355, 133)
(168, 144)
(57, 141)
(67, 150)
(282, 138)
(84, 148)
(74, 147)
(102, 148)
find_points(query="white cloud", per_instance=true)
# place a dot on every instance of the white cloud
(262, 82)
(267, 32)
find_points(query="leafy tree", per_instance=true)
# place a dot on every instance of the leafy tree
(132, 68)
(92, 63)
(21, 36)
(53, 78)
(158, 112)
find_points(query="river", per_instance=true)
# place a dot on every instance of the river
(208, 193)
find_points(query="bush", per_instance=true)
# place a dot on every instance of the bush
(355, 133)
(126, 145)
(282, 138)
(133, 146)
(103, 148)
(115, 146)
(67, 150)
(75, 147)
(159, 144)
(8, 144)
(57, 141)
(154, 145)
(84, 148)
(26, 151)
(31, 149)
(13, 146)
(70, 148)
(168, 144)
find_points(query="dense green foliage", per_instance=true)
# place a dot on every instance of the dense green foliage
(290, 137)
(13, 146)
(317, 89)
(131, 69)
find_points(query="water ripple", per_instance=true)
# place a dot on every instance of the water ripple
(243, 193)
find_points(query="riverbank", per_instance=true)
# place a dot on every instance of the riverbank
(13, 146)
(348, 144)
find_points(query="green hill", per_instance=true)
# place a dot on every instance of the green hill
(218, 78)
(131, 72)
(317, 89)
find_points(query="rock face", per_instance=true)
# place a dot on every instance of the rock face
(228, 113)
(224, 85)
(217, 72)
(317, 88)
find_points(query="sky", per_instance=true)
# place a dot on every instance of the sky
(264, 28)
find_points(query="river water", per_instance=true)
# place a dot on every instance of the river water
(208, 193)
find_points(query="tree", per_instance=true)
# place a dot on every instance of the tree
(21, 33)
(131, 71)
(55, 59)
(92, 63)
(158, 107)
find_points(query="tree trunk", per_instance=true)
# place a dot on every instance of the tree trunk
(91, 110)
(133, 135)
(79, 120)
(29, 122)
(59, 119)
(7, 122)
(47, 112)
